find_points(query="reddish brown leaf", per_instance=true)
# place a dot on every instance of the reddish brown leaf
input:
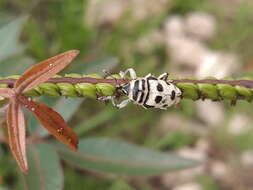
(16, 132)
(6, 92)
(44, 70)
(52, 121)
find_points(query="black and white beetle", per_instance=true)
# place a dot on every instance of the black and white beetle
(148, 91)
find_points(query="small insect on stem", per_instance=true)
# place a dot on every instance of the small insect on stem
(148, 91)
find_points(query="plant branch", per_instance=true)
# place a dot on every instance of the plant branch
(71, 80)
(76, 85)
(245, 83)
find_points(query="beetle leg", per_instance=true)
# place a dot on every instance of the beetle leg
(131, 72)
(164, 76)
(112, 98)
(122, 104)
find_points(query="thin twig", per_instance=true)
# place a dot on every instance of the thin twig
(245, 83)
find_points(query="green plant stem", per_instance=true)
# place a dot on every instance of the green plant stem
(76, 85)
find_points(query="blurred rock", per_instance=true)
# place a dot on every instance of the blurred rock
(143, 9)
(200, 25)
(186, 176)
(247, 158)
(198, 153)
(239, 123)
(217, 64)
(185, 38)
(172, 122)
(219, 169)
(188, 186)
(203, 145)
(186, 51)
(174, 27)
(210, 112)
(181, 48)
(101, 12)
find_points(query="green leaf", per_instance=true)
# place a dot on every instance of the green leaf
(101, 117)
(15, 65)
(2, 188)
(68, 106)
(9, 35)
(118, 157)
(45, 172)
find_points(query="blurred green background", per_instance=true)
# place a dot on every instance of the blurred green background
(197, 38)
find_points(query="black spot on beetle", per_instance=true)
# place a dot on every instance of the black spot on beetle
(158, 99)
(136, 90)
(152, 78)
(173, 95)
(143, 84)
(148, 106)
(159, 87)
(141, 98)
